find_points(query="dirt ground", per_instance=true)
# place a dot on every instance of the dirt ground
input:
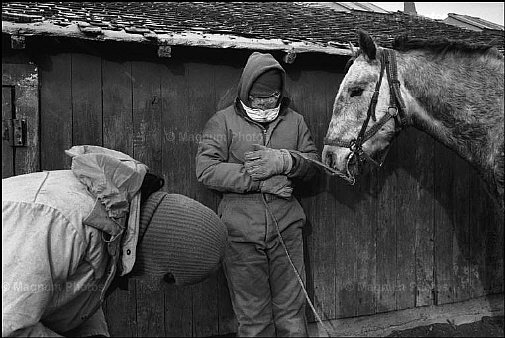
(487, 327)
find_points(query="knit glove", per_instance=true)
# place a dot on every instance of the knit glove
(278, 185)
(264, 162)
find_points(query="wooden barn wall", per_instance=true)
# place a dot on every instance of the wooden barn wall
(419, 231)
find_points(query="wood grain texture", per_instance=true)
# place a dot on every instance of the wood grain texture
(178, 300)
(423, 172)
(386, 238)
(201, 100)
(147, 148)
(406, 205)
(118, 135)
(443, 181)
(320, 239)
(225, 82)
(117, 106)
(86, 100)
(56, 111)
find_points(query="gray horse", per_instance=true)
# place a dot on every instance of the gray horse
(451, 90)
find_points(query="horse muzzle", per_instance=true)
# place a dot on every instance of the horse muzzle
(343, 161)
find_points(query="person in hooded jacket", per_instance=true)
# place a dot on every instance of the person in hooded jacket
(253, 152)
(66, 234)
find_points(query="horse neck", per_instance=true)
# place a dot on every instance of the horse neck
(457, 101)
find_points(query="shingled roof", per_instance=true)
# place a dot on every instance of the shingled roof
(252, 25)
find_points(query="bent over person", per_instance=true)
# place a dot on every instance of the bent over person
(67, 233)
(252, 152)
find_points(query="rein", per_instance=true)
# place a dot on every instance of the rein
(395, 110)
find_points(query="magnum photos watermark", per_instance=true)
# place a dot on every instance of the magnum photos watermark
(51, 287)
(189, 137)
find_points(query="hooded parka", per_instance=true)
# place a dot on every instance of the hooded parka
(255, 262)
(60, 245)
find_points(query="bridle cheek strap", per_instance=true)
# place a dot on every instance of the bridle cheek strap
(396, 110)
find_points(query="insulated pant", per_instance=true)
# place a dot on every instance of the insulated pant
(265, 293)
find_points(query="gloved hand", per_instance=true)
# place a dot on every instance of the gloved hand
(265, 162)
(278, 185)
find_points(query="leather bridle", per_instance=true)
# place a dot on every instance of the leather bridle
(396, 110)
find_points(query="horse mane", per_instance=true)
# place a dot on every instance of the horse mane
(443, 46)
(437, 46)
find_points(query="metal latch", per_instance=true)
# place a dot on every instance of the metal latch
(14, 130)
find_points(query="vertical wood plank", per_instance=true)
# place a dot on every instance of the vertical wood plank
(346, 230)
(461, 218)
(423, 285)
(333, 209)
(147, 148)
(227, 321)
(7, 114)
(200, 100)
(494, 250)
(117, 106)
(309, 95)
(443, 181)
(366, 244)
(479, 219)
(178, 300)
(56, 111)
(406, 205)
(118, 135)
(387, 240)
(342, 209)
(225, 79)
(178, 308)
(486, 242)
(87, 99)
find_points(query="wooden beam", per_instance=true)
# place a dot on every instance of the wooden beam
(174, 39)
(381, 325)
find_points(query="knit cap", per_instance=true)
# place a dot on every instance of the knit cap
(180, 236)
(267, 83)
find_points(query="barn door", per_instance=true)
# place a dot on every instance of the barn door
(20, 119)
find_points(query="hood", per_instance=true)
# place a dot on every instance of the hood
(257, 64)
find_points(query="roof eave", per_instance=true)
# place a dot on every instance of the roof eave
(173, 39)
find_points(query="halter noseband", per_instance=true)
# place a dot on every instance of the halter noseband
(395, 110)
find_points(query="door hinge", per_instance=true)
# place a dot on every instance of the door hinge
(15, 131)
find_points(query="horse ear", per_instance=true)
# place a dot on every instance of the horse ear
(367, 45)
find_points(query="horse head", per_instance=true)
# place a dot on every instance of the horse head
(366, 111)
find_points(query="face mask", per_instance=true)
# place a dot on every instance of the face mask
(262, 115)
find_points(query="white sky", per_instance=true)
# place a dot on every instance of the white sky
(490, 11)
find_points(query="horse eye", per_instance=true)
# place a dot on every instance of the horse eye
(356, 91)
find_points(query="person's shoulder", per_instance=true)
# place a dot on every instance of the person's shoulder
(225, 112)
(293, 114)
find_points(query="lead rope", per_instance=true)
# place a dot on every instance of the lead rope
(294, 268)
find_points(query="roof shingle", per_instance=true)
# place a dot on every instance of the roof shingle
(277, 21)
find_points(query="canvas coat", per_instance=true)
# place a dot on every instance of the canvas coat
(227, 136)
(60, 247)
